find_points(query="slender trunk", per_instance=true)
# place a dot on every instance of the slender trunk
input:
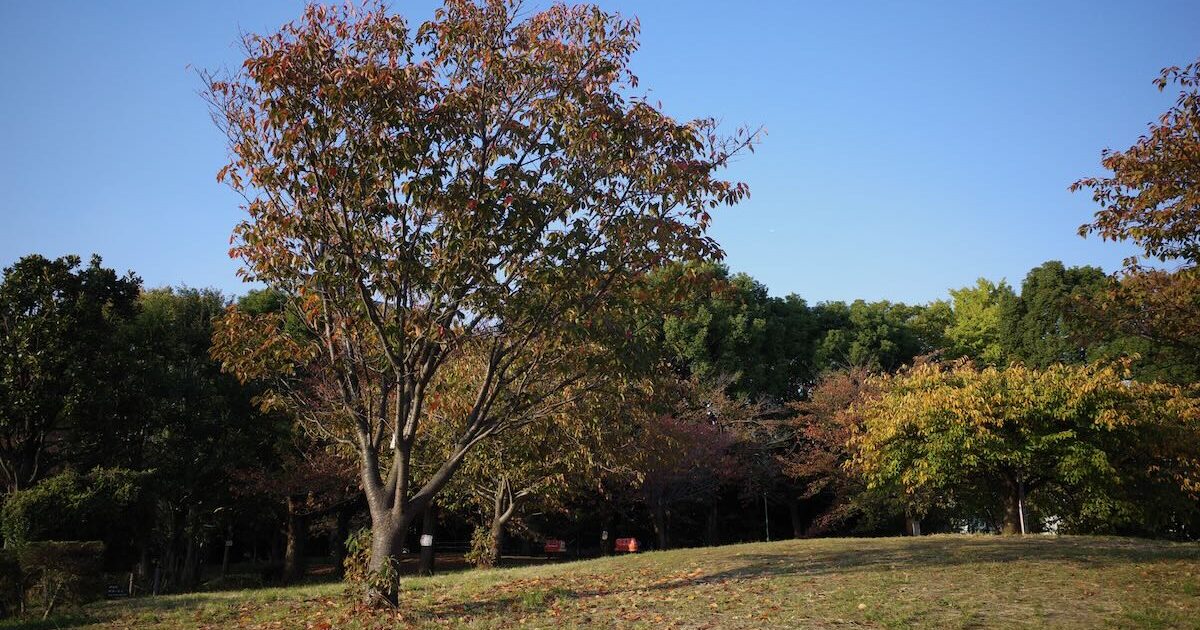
(504, 504)
(227, 547)
(659, 514)
(337, 546)
(428, 527)
(794, 515)
(297, 536)
(712, 532)
(191, 558)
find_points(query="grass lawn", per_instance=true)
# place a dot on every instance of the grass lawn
(932, 582)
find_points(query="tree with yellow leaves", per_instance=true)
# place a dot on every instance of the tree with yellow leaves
(1082, 442)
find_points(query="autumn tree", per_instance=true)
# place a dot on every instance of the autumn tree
(567, 449)
(818, 456)
(1153, 314)
(476, 186)
(1151, 198)
(1074, 439)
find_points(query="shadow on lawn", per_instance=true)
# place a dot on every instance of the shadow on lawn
(867, 555)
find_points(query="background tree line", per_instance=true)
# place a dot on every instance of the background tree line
(490, 310)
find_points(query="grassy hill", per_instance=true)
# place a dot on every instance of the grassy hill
(933, 582)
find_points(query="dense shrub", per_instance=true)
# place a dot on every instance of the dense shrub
(55, 573)
(105, 504)
(12, 588)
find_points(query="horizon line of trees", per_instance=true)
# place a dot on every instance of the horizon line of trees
(493, 309)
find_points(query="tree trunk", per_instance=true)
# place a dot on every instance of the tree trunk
(1012, 510)
(659, 515)
(387, 543)
(226, 548)
(297, 536)
(428, 526)
(191, 560)
(337, 546)
(495, 540)
(794, 515)
(712, 533)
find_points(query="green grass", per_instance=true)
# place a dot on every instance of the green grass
(929, 582)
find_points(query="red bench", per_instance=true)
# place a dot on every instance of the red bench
(626, 545)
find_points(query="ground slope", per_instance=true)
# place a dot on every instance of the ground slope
(932, 581)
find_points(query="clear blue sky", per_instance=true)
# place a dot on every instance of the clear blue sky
(912, 147)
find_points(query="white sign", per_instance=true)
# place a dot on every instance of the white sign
(426, 540)
(228, 543)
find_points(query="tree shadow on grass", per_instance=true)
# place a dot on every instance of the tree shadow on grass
(525, 596)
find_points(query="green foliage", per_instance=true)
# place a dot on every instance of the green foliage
(729, 327)
(1085, 443)
(978, 318)
(58, 328)
(1043, 325)
(875, 335)
(482, 551)
(72, 506)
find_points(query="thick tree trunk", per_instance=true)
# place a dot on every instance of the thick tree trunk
(387, 544)
(1012, 510)
(495, 542)
(297, 536)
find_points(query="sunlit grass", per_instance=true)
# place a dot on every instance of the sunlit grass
(931, 582)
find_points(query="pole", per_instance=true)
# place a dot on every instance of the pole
(228, 548)
(1021, 504)
(766, 518)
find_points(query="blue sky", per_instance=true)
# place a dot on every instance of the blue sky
(911, 147)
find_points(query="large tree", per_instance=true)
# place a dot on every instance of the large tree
(1043, 325)
(728, 328)
(479, 186)
(976, 329)
(58, 325)
(1151, 198)
(1084, 442)
(877, 335)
